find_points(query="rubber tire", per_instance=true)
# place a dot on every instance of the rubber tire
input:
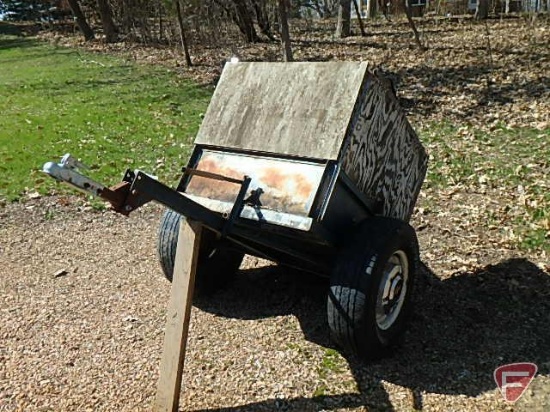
(351, 302)
(217, 262)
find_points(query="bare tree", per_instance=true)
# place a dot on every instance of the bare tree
(262, 18)
(81, 21)
(411, 23)
(343, 26)
(482, 9)
(183, 38)
(324, 8)
(371, 8)
(359, 18)
(109, 27)
(161, 20)
(238, 11)
(285, 34)
(245, 22)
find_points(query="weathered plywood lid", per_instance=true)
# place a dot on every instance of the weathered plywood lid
(295, 109)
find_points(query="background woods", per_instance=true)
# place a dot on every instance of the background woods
(207, 22)
(193, 28)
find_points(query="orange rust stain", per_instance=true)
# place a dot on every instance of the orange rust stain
(274, 178)
(283, 191)
(208, 188)
(304, 186)
(210, 165)
(214, 189)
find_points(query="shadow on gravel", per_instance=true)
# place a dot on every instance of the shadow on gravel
(463, 328)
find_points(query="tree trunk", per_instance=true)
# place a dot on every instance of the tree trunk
(370, 11)
(107, 22)
(359, 18)
(384, 6)
(161, 22)
(262, 18)
(125, 14)
(81, 21)
(327, 9)
(244, 20)
(343, 28)
(413, 26)
(183, 39)
(285, 35)
(245, 25)
(482, 9)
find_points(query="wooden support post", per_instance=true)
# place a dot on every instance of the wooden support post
(178, 317)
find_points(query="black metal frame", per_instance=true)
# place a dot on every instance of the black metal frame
(283, 245)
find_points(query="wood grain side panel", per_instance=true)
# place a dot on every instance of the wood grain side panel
(382, 154)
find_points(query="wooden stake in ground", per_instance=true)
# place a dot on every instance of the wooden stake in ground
(177, 318)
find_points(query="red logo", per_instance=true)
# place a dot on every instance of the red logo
(514, 378)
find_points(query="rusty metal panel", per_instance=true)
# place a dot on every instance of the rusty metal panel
(280, 185)
(382, 154)
(295, 109)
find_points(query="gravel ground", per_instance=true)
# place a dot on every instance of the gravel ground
(82, 315)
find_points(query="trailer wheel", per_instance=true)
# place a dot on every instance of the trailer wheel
(370, 287)
(217, 263)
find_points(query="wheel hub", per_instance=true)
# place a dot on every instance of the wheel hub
(392, 290)
(390, 301)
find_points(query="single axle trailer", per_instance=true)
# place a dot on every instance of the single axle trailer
(311, 165)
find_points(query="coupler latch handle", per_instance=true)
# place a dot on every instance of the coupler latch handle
(120, 196)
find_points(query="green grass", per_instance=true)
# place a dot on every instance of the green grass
(110, 113)
(467, 155)
(505, 160)
(332, 362)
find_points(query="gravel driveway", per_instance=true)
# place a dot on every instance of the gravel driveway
(82, 315)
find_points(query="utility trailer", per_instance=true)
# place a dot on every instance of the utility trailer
(311, 165)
